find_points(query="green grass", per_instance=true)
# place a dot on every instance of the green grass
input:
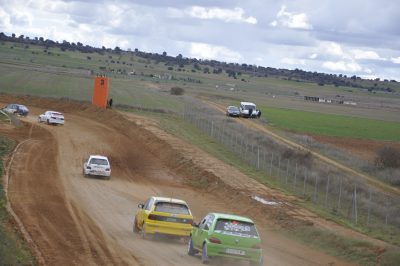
(361, 252)
(13, 250)
(331, 125)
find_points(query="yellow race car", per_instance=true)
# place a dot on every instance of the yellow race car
(166, 216)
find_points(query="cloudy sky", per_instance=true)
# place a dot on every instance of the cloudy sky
(332, 36)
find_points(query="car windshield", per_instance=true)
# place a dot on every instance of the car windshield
(233, 108)
(248, 107)
(170, 207)
(236, 228)
(98, 161)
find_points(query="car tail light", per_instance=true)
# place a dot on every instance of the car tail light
(152, 217)
(256, 246)
(214, 240)
(88, 167)
(189, 221)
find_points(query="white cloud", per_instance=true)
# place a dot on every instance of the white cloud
(293, 61)
(395, 60)
(342, 66)
(207, 51)
(369, 55)
(332, 48)
(291, 20)
(4, 18)
(313, 56)
(226, 15)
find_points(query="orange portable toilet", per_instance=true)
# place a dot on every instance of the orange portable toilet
(100, 92)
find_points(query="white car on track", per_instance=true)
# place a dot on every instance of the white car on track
(97, 165)
(52, 117)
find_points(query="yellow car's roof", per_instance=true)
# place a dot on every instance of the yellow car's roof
(158, 199)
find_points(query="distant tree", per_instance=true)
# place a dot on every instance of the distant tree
(88, 58)
(117, 50)
(164, 53)
(170, 68)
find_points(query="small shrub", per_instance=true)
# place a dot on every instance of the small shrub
(388, 157)
(177, 91)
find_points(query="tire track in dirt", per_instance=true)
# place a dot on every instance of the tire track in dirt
(50, 186)
(291, 144)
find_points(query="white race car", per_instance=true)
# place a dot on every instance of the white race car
(52, 117)
(97, 165)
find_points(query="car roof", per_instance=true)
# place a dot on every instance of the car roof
(98, 157)
(232, 217)
(247, 103)
(53, 111)
(164, 199)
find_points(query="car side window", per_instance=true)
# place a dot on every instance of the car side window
(148, 204)
(203, 222)
(209, 222)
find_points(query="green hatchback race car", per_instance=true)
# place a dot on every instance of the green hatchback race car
(226, 236)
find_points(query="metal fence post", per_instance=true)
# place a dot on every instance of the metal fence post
(315, 189)
(287, 172)
(327, 192)
(295, 177)
(369, 207)
(270, 168)
(258, 157)
(305, 181)
(340, 194)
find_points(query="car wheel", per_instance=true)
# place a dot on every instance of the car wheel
(191, 251)
(135, 228)
(204, 255)
(48, 121)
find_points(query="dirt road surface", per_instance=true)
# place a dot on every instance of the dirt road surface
(75, 220)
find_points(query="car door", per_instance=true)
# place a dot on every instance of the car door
(204, 229)
(144, 213)
(197, 234)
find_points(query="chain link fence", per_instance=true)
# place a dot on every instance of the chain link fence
(340, 194)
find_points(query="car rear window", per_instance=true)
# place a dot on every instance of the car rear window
(233, 108)
(99, 161)
(170, 207)
(248, 107)
(56, 113)
(234, 227)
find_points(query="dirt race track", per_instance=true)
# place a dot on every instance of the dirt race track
(74, 220)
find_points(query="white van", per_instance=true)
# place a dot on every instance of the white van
(249, 110)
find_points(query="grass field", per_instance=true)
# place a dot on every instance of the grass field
(13, 250)
(331, 125)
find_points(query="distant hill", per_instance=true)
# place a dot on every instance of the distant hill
(233, 70)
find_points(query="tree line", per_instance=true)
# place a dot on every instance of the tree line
(231, 69)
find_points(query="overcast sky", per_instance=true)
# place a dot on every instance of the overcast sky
(353, 37)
